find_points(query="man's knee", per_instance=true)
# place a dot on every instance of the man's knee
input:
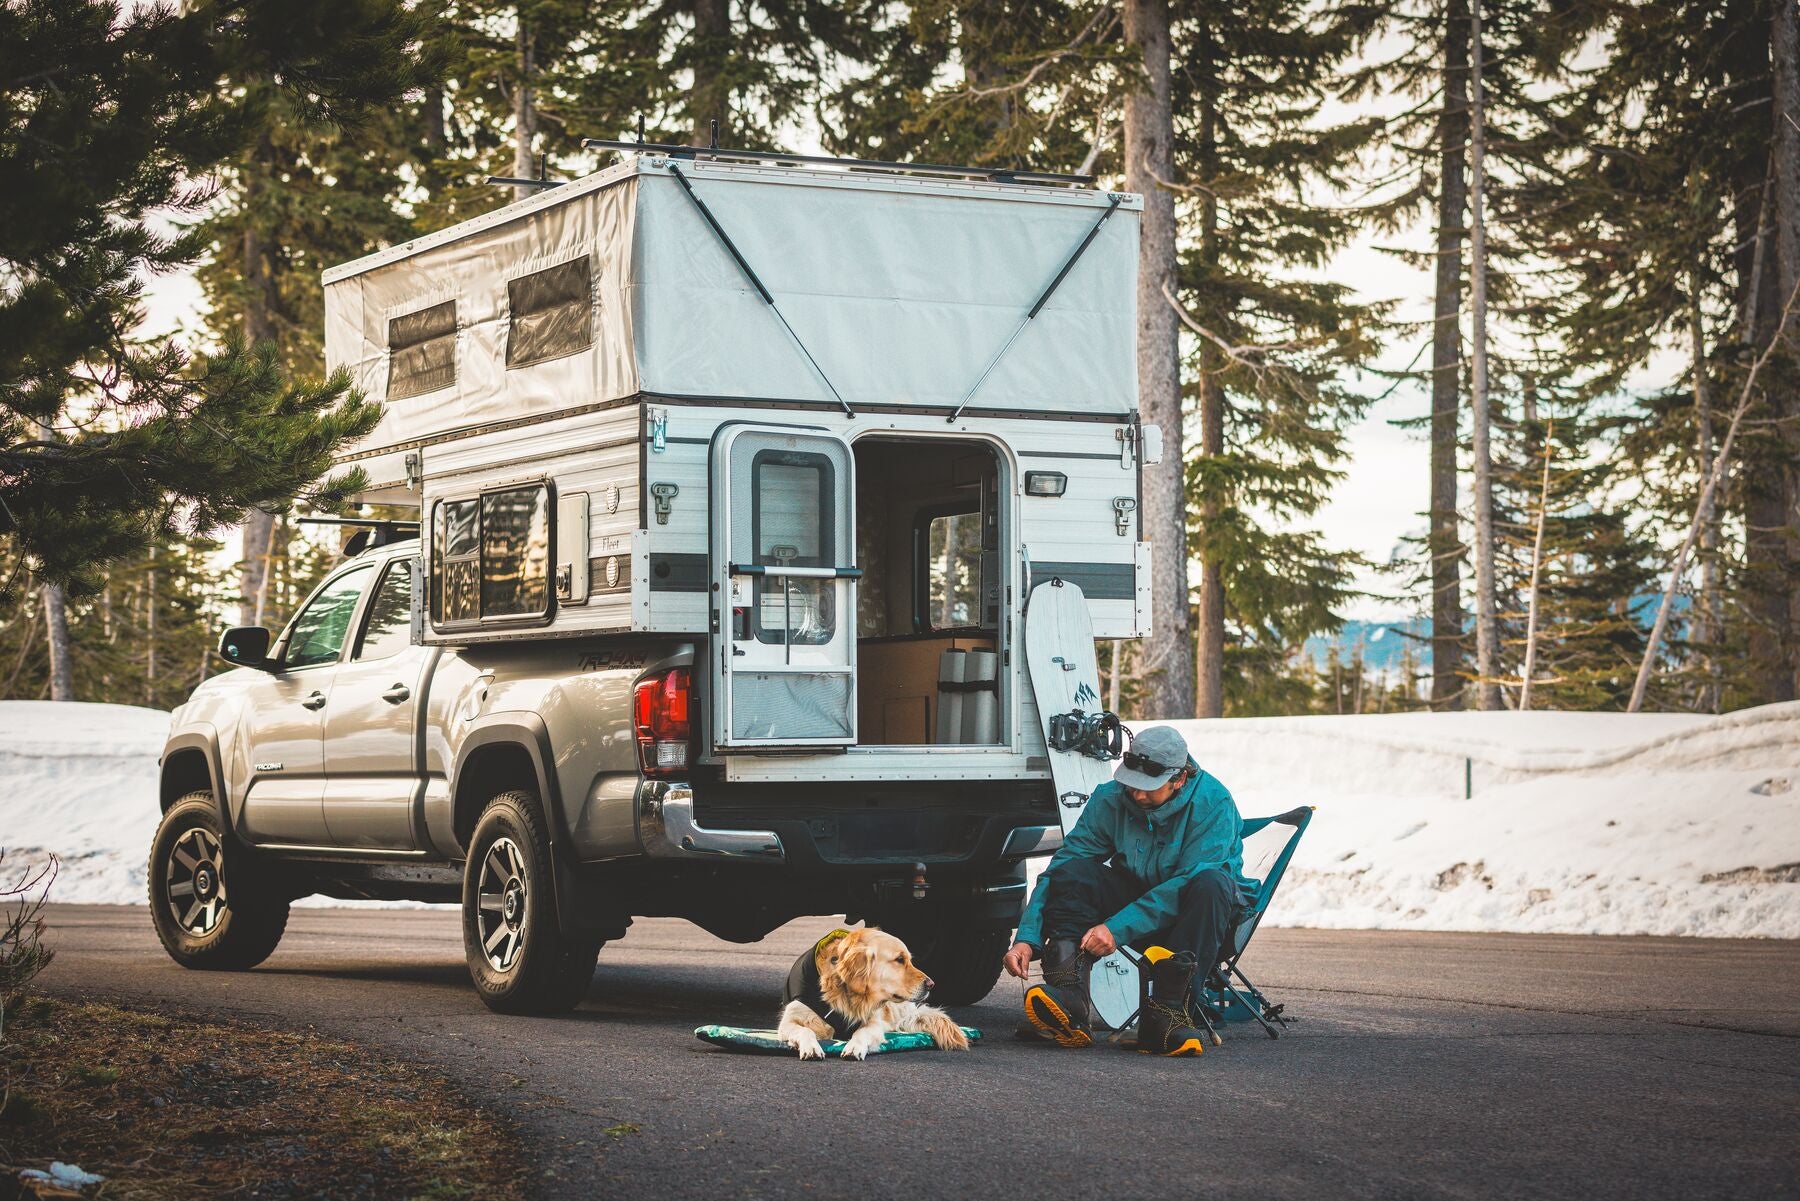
(1212, 888)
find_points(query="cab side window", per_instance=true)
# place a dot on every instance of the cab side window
(317, 634)
(388, 630)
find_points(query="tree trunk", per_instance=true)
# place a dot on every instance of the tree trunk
(1209, 651)
(56, 633)
(1707, 613)
(1537, 574)
(1785, 36)
(1759, 478)
(1445, 541)
(150, 636)
(1168, 654)
(525, 110)
(1487, 625)
(710, 99)
(259, 326)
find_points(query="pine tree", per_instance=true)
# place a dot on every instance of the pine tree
(1671, 225)
(1271, 343)
(120, 114)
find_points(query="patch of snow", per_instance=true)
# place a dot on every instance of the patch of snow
(1579, 822)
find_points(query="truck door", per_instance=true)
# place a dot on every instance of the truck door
(783, 588)
(284, 720)
(372, 770)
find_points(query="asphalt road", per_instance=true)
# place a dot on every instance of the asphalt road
(1424, 1065)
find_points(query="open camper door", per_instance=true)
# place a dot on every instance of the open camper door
(783, 590)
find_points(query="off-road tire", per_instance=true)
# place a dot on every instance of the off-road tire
(543, 969)
(215, 907)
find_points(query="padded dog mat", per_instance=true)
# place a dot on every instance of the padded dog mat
(768, 1042)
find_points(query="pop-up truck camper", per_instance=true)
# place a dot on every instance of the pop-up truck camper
(734, 474)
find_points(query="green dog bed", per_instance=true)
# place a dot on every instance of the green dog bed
(768, 1042)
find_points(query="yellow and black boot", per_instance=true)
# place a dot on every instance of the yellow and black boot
(1165, 1024)
(1058, 1008)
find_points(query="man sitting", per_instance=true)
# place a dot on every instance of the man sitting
(1155, 859)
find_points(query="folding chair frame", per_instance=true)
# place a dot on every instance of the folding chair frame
(1221, 1000)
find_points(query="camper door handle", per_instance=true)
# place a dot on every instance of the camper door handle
(315, 701)
(809, 573)
(396, 694)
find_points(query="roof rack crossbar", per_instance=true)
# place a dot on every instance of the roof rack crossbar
(781, 158)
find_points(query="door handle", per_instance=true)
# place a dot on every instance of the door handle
(396, 694)
(315, 701)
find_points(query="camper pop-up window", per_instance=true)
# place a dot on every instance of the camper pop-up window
(422, 351)
(791, 518)
(490, 557)
(552, 314)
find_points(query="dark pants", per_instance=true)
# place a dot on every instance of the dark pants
(1085, 892)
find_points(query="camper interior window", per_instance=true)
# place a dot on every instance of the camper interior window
(928, 527)
(791, 498)
(490, 557)
(552, 314)
(422, 351)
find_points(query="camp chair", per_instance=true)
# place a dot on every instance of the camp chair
(1220, 999)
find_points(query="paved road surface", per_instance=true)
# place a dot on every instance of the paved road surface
(1426, 1065)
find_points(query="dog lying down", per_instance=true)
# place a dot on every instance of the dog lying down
(858, 985)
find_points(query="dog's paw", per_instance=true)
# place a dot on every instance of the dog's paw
(947, 1034)
(807, 1044)
(857, 1048)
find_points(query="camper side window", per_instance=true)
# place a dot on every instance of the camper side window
(490, 557)
(949, 570)
(422, 351)
(552, 314)
(792, 523)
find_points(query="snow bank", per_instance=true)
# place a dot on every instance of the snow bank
(80, 781)
(1591, 823)
(1579, 822)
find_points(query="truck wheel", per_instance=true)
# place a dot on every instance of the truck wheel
(963, 958)
(212, 910)
(520, 959)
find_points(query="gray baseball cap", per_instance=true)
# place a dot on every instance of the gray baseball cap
(1155, 756)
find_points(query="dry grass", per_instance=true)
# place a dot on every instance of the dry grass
(170, 1107)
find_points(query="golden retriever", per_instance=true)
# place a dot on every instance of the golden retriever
(868, 983)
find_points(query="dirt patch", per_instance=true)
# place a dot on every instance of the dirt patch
(175, 1107)
(1787, 873)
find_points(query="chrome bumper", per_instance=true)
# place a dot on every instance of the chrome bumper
(667, 829)
(1029, 841)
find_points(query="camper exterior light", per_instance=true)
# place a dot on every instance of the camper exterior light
(1045, 483)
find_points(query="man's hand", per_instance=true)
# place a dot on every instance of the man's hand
(1099, 941)
(1018, 960)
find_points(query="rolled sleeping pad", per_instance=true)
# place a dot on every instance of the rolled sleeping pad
(951, 665)
(981, 706)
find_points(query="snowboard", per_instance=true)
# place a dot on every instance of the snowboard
(768, 1042)
(1059, 654)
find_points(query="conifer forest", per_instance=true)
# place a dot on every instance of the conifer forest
(1588, 212)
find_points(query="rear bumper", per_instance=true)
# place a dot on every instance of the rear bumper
(669, 827)
(667, 830)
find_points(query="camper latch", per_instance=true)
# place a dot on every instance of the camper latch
(1127, 436)
(659, 431)
(664, 494)
(1123, 507)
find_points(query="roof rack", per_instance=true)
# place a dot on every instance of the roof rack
(781, 158)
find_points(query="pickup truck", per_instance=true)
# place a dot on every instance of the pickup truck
(555, 789)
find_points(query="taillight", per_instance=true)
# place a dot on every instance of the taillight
(659, 706)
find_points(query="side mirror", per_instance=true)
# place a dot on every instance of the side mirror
(246, 646)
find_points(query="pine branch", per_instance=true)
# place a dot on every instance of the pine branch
(1700, 509)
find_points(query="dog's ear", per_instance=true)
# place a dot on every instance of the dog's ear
(854, 963)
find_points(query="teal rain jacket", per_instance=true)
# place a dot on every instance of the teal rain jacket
(1194, 830)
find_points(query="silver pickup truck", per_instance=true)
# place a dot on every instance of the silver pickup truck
(554, 788)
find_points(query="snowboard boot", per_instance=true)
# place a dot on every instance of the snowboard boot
(1058, 1008)
(1166, 1025)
